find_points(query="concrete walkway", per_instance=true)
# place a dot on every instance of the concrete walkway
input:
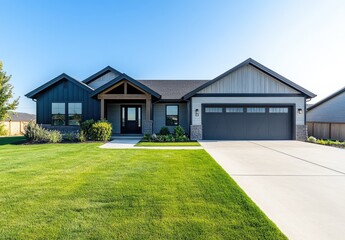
(300, 186)
(124, 143)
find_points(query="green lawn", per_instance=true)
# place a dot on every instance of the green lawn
(167, 144)
(79, 191)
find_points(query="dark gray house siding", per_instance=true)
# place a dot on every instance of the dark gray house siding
(159, 116)
(65, 92)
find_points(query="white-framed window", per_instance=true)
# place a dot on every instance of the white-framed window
(58, 114)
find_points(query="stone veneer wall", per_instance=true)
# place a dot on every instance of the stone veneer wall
(301, 132)
(195, 132)
(147, 127)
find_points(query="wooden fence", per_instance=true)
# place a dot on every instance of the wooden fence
(335, 131)
(15, 127)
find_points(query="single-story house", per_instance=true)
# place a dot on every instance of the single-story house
(16, 122)
(249, 101)
(326, 118)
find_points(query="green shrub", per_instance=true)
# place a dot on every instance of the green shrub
(147, 137)
(311, 139)
(164, 131)
(69, 136)
(81, 137)
(179, 131)
(86, 127)
(183, 138)
(3, 131)
(54, 137)
(36, 134)
(101, 131)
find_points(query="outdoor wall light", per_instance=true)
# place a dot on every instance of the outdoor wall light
(300, 111)
(197, 112)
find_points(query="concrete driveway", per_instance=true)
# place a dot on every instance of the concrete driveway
(300, 186)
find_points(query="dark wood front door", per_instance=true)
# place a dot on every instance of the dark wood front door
(131, 119)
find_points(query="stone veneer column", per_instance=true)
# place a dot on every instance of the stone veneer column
(195, 132)
(147, 127)
(301, 132)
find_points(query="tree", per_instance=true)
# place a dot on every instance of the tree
(7, 103)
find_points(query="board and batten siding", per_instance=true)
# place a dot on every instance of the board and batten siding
(103, 80)
(332, 111)
(114, 114)
(159, 116)
(198, 101)
(248, 79)
(66, 92)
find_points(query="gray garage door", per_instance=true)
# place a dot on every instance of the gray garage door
(247, 122)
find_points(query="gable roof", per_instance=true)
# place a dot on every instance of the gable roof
(333, 95)
(62, 76)
(259, 66)
(101, 73)
(20, 116)
(172, 89)
(129, 79)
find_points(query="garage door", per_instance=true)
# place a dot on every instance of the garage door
(247, 122)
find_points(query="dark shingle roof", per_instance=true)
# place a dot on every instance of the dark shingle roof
(172, 89)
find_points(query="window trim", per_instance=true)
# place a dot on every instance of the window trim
(166, 114)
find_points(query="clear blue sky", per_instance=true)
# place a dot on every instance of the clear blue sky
(302, 40)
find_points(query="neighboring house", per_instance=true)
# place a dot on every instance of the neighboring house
(16, 123)
(326, 119)
(249, 101)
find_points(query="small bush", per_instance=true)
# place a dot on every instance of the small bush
(183, 138)
(86, 127)
(54, 137)
(69, 136)
(36, 134)
(311, 139)
(3, 131)
(81, 137)
(164, 131)
(179, 131)
(101, 131)
(147, 137)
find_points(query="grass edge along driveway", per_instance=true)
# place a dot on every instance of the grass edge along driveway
(71, 191)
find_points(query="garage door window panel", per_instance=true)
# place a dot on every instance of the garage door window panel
(256, 110)
(234, 110)
(213, 110)
(279, 110)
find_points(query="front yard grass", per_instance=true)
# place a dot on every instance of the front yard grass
(167, 144)
(79, 191)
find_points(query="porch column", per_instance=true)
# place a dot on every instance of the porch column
(148, 109)
(102, 108)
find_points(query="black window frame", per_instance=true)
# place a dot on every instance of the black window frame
(166, 115)
(69, 114)
(61, 114)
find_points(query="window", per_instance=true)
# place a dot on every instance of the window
(213, 110)
(255, 110)
(279, 110)
(74, 113)
(172, 116)
(58, 114)
(234, 110)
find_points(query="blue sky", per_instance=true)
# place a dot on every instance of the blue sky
(301, 40)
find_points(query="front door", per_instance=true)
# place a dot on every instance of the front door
(131, 119)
